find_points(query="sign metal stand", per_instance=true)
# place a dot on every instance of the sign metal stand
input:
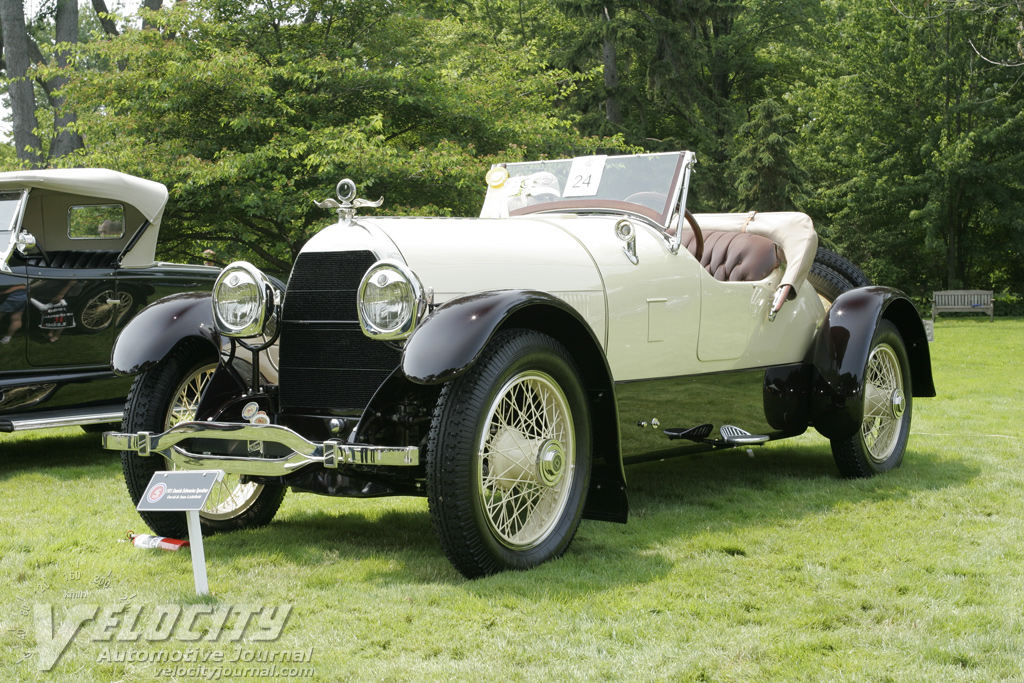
(184, 491)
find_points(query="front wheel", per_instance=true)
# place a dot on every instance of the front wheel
(509, 456)
(163, 396)
(879, 444)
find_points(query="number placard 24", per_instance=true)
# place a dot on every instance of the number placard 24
(584, 176)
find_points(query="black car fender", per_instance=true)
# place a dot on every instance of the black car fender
(160, 327)
(840, 350)
(451, 339)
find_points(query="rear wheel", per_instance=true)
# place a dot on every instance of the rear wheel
(879, 444)
(509, 457)
(163, 396)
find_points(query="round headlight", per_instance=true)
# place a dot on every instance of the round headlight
(390, 301)
(241, 300)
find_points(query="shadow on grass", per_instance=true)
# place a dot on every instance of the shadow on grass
(65, 454)
(720, 494)
(723, 492)
(401, 540)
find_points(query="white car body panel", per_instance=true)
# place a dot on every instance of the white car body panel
(655, 304)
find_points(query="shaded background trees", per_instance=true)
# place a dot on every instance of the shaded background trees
(897, 126)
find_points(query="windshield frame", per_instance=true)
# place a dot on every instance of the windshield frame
(7, 249)
(674, 188)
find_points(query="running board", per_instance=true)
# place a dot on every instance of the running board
(731, 435)
(66, 418)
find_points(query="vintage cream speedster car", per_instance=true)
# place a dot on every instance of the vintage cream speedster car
(508, 367)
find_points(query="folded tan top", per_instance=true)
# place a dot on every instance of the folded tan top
(791, 230)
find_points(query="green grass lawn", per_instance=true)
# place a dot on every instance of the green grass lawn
(731, 568)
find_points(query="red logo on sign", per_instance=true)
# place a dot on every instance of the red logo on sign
(157, 492)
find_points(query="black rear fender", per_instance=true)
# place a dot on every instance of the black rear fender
(840, 352)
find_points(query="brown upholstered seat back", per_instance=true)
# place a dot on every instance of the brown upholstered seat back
(735, 256)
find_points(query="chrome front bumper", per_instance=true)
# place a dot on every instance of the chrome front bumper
(330, 453)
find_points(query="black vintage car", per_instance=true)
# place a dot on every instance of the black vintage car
(77, 262)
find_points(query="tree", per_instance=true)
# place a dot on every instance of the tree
(916, 142)
(20, 87)
(766, 176)
(36, 58)
(249, 113)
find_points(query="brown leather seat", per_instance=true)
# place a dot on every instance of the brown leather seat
(735, 256)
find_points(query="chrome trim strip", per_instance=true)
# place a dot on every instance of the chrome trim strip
(330, 453)
(25, 424)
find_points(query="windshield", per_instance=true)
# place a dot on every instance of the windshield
(645, 184)
(9, 202)
(10, 206)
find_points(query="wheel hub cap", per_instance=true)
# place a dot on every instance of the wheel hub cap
(898, 402)
(551, 462)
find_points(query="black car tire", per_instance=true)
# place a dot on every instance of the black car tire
(832, 275)
(879, 444)
(843, 266)
(163, 396)
(827, 283)
(509, 456)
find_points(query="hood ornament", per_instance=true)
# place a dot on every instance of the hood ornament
(347, 202)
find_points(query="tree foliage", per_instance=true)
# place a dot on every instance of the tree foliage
(250, 113)
(896, 125)
(914, 141)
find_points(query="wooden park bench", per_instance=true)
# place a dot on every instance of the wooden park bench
(962, 301)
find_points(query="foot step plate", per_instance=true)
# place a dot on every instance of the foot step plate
(739, 437)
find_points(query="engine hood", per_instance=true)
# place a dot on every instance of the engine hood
(456, 256)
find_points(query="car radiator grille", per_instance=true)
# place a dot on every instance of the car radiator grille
(326, 362)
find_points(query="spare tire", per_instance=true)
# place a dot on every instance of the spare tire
(841, 265)
(831, 275)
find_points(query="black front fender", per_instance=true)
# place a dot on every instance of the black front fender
(159, 327)
(840, 355)
(452, 338)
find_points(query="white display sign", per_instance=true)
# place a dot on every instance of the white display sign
(184, 490)
(181, 490)
(584, 176)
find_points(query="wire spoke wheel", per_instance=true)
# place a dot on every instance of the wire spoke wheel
(884, 403)
(230, 496)
(527, 460)
(880, 442)
(509, 456)
(166, 394)
(105, 308)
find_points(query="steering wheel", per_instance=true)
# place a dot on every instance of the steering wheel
(652, 200)
(699, 251)
(656, 200)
